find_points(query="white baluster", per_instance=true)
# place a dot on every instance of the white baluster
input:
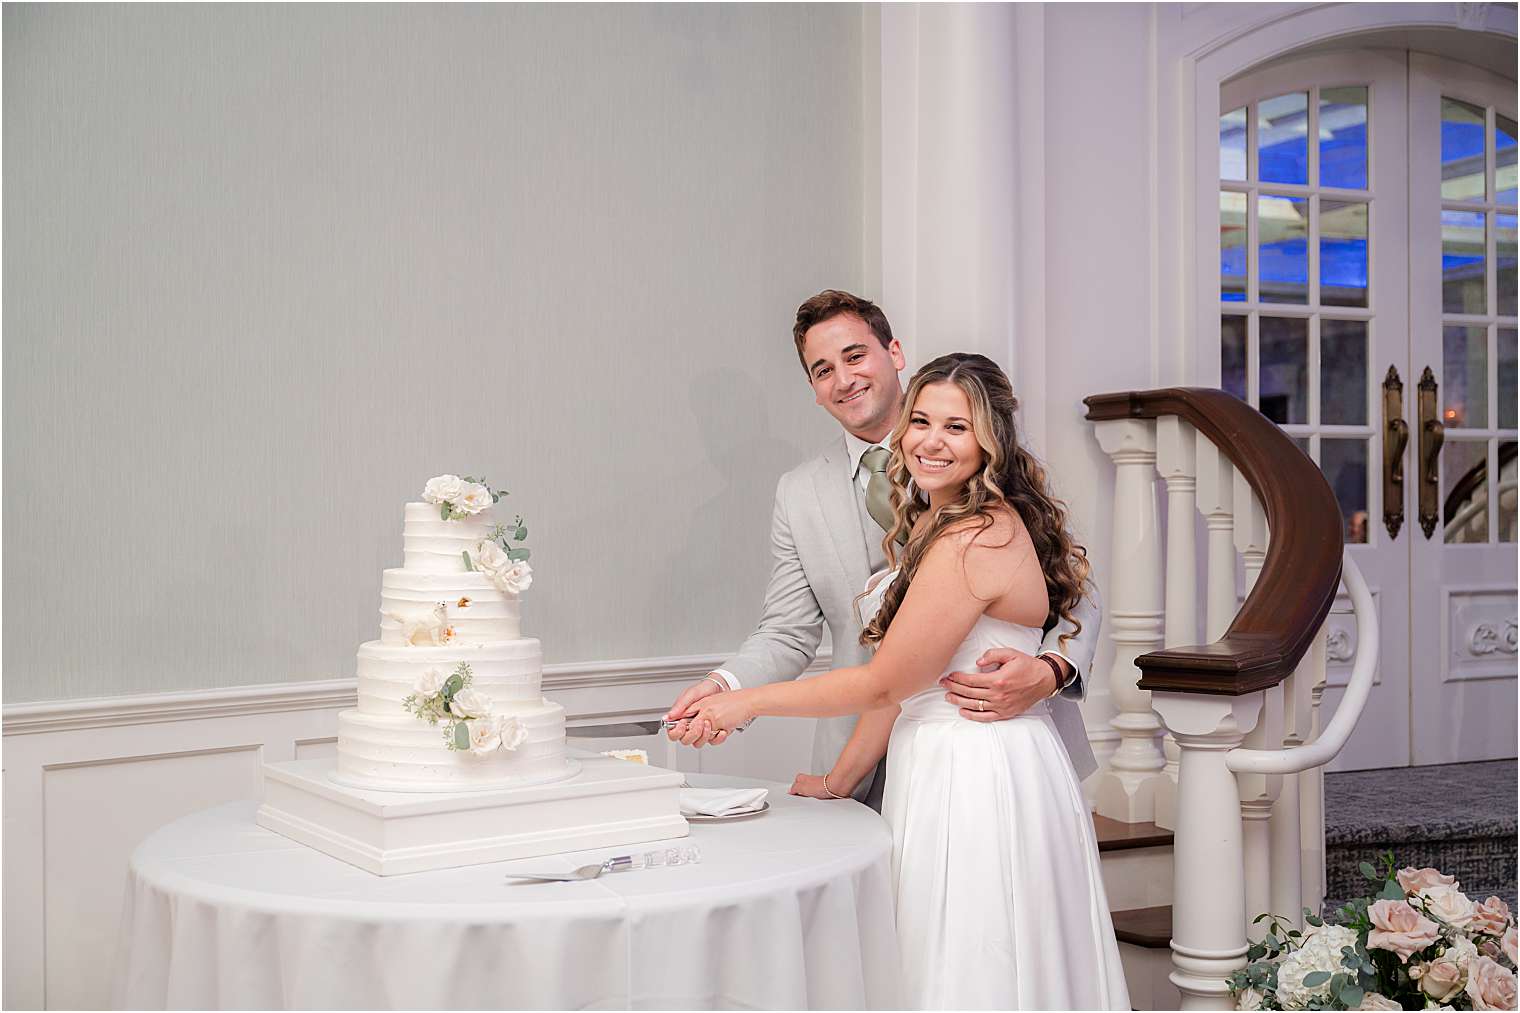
(1175, 461)
(1216, 498)
(1208, 902)
(1126, 790)
(1311, 787)
(1258, 792)
(1287, 843)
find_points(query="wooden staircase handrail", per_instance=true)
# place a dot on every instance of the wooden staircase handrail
(1302, 570)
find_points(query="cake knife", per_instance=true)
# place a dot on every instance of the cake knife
(622, 729)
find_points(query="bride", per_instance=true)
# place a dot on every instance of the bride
(999, 899)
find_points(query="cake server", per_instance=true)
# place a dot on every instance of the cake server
(617, 864)
(622, 729)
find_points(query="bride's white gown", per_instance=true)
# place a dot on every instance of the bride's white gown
(1000, 902)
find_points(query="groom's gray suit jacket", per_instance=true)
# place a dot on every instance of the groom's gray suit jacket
(820, 567)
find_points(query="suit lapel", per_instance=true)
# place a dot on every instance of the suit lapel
(836, 501)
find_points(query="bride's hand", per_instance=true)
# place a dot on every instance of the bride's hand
(810, 786)
(723, 712)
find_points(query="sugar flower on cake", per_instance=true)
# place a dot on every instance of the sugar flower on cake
(470, 703)
(473, 499)
(485, 735)
(429, 683)
(513, 733)
(443, 489)
(515, 579)
(489, 557)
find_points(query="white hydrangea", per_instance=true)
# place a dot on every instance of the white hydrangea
(1321, 951)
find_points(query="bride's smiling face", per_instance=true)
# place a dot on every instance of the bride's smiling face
(939, 446)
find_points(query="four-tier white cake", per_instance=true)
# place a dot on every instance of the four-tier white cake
(453, 756)
(439, 611)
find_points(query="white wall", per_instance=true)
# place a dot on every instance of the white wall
(268, 268)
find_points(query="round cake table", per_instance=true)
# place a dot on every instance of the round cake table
(790, 909)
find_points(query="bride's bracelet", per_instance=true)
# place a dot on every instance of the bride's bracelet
(722, 686)
(830, 790)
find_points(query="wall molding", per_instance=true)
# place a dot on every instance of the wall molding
(326, 694)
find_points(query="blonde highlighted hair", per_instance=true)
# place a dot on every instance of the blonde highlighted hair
(1010, 478)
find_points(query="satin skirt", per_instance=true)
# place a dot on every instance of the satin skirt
(1000, 903)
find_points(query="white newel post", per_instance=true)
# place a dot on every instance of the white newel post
(1311, 785)
(1175, 461)
(1208, 903)
(1258, 792)
(1126, 790)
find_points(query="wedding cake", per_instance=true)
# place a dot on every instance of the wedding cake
(450, 695)
(453, 756)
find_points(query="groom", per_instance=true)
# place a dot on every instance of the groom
(826, 542)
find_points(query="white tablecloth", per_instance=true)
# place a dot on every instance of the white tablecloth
(791, 909)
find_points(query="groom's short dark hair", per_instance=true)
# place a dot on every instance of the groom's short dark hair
(831, 303)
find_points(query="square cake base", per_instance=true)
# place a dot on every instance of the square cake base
(609, 802)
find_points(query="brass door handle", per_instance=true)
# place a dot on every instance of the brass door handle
(1395, 439)
(1432, 435)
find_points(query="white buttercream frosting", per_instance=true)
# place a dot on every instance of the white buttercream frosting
(383, 746)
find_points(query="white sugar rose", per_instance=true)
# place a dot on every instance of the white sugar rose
(1249, 998)
(485, 735)
(1449, 904)
(1490, 985)
(515, 578)
(1377, 1001)
(1508, 942)
(470, 703)
(429, 683)
(443, 489)
(1321, 951)
(513, 733)
(473, 499)
(490, 558)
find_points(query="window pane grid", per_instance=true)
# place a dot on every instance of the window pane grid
(1307, 276)
(1477, 330)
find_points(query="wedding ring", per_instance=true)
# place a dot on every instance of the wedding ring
(981, 705)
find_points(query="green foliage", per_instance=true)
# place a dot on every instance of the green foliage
(468, 566)
(461, 735)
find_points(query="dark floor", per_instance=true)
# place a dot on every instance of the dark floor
(1460, 818)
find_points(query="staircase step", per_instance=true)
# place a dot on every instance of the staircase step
(1457, 817)
(1116, 836)
(1150, 927)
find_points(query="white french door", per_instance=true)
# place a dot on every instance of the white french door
(1462, 329)
(1367, 231)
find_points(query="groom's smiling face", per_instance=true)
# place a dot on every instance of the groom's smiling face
(854, 377)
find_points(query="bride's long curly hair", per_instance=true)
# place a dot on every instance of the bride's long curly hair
(1010, 478)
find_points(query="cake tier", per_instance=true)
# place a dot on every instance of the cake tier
(510, 672)
(407, 754)
(433, 545)
(473, 607)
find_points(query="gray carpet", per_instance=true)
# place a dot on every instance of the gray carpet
(1459, 818)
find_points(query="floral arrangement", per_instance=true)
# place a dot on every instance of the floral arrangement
(459, 497)
(464, 712)
(1420, 943)
(502, 555)
(505, 563)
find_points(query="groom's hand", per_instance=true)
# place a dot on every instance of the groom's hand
(690, 733)
(1009, 683)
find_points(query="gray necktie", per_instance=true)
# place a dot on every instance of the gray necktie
(879, 488)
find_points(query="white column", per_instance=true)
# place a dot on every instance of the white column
(1311, 785)
(1176, 462)
(1126, 790)
(1208, 902)
(1216, 499)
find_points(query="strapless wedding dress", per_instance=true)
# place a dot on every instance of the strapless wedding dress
(1000, 903)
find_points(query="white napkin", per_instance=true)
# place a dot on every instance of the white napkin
(720, 801)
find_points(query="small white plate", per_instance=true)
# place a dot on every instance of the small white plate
(746, 814)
